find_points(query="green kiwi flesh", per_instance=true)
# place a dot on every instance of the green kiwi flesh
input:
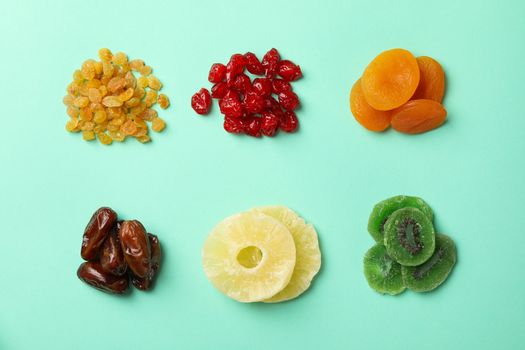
(382, 272)
(409, 236)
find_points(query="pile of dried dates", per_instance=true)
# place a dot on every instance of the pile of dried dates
(117, 252)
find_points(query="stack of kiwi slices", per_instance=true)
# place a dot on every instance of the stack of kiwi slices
(408, 253)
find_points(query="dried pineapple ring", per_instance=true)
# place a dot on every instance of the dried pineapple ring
(308, 255)
(249, 256)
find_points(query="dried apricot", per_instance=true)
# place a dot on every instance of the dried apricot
(432, 80)
(390, 79)
(417, 116)
(368, 117)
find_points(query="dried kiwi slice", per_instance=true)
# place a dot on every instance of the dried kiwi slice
(409, 236)
(382, 272)
(434, 271)
(384, 209)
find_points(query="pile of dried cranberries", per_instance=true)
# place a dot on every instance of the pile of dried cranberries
(250, 106)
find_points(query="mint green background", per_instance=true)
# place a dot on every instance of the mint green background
(471, 171)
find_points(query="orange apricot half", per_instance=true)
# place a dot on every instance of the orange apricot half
(368, 117)
(417, 116)
(390, 79)
(432, 80)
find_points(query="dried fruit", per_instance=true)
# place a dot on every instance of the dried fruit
(96, 231)
(201, 101)
(136, 247)
(270, 63)
(109, 101)
(146, 283)
(270, 123)
(431, 80)
(289, 121)
(252, 126)
(418, 116)
(158, 124)
(253, 65)
(383, 273)
(231, 106)
(93, 274)
(368, 117)
(217, 73)
(289, 71)
(111, 255)
(233, 125)
(219, 90)
(288, 100)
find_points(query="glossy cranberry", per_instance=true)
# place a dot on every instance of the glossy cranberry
(270, 123)
(201, 101)
(252, 126)
(253, 103)
(219, 90)
(233, 125)
(217, 73)
(279, 85)
(262, 86)
(242, 83)
(231, 106)
(289, 71)
(270, 63)
(288, 100)
(235, 66)
(253, 65)
(232, 94)
(289, 121)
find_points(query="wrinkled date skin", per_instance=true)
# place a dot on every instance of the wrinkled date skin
(156, 256)
(96, 232)
(136, 247)
(93, 274)
(111, 255)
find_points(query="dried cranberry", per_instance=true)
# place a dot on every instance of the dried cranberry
(288, 100)
(217, 73)
(233, 125)
(201, 101)
(271, 104)
(279, 85)
(270, 63)
(270, 123)
(262, 86)
(231, 106)
(289, 70)
(252, 126)
(242, 83)
(253, 103)
(235, 66)
(232, 94)
(289, 121)
(219, 90)
(253, 64)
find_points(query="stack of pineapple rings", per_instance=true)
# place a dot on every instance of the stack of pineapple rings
(106, 100)
(266, 254)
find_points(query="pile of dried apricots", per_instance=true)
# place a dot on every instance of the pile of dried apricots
(400, 90)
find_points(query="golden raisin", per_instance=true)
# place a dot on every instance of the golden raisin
(94, 95)
(158, 124)
(81, 102)
(151, 98)
(72, 111)
(132, 102)
(105, 55)
(77, 77)
(126, 95)
(88, 135)
(136, 64)
(145, 71)
(118, 135)
(72, 125)
(88, 70)
(149, 114)
(139, 93)
(116, 84)
(163, 101)
(100, 117)
(104, 138)
(144, 139)
(142, 82)
(120, 58)
(154, 82)
(112, 101)
(68, 100)
(129, 128)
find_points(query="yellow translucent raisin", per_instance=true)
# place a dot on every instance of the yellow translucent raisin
(158, 124)
(141, 132)
(81, 102)
(118, 121)
(103, 90)
(68, 100)
(72, 89)
(145, 71)
(112, 101)
(118, 136)
(100, 117)
(131, 81)
(136, 64)
(126, 95)
(132, 102)
(116, 84)
(163, 101)
(107, 69)
(143, 139)
(72, 112)
(151, 98)
(149, 114)
(87, 126)
(154, 83)
(142, 82)
(88, 135)
(72, 124)
(104, 138)
(111, 127)
(94, 95)
(139, 93)
(129, 127)
(88, 70)
(100, 128)
(105, 54)
(77, 77)
(98, 68)
(120, 58)
(86, 114)
(95, 83)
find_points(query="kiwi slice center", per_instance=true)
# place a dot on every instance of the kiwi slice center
(250, 257)
(422, 270)
(409, 234)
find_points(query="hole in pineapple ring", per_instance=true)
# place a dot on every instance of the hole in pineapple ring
(250, 256)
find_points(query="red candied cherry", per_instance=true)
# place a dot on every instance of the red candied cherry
(253, 103)
(201, 101)
(217, 73)
(231, 106)
(262, 86)
(270, 123)
(235, 67)
(289, 71)
(252, 126)
(242, 83)
(288, 100)
(219, 90)
(233, 125)
(270, 63)
(253, 65)
(289, 121)
(279, 85)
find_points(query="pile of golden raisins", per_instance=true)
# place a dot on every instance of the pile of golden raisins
(106, 100)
